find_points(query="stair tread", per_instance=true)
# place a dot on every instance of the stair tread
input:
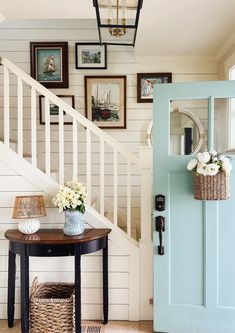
(52, 170)
(11, 140)
(125, 228)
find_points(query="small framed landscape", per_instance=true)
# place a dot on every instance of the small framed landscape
(49, 63)
(90, 56)
(105, 100)
(145, 82)
(54, 110)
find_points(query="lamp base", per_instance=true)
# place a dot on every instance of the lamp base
(29, 226)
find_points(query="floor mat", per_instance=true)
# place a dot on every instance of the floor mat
(92, 328)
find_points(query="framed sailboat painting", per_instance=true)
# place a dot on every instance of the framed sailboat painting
(105, 100)
(49, 63)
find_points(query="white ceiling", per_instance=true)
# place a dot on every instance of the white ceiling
(185, 27)
(44, 9)
(167, 27)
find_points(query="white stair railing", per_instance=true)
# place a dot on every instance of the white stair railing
(112, 156)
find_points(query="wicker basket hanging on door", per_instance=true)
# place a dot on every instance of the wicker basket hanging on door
(211, 187)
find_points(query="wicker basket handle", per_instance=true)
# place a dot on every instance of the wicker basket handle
(34, 286)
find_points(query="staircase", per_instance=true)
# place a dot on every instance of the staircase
(111, 173)
(118, 183)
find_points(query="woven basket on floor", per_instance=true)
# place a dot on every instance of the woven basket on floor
(211, 187)
(51, 307)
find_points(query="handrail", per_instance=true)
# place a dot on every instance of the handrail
(80, 118)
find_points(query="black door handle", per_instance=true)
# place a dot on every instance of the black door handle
(160, 227)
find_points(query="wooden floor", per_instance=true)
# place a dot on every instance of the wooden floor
(111, 327)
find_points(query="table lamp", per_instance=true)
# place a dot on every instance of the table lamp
(28, 208)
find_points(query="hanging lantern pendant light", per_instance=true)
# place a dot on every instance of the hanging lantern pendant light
(117, 32)
(117, 21)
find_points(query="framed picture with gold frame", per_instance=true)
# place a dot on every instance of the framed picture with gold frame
(105, 100)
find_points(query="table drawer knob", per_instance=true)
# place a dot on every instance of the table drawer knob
(49, 250)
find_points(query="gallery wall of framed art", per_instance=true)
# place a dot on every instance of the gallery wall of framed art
(105, 96)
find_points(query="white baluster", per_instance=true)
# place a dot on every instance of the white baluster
(115, 187)
(129, 198)
(6, 107)
(88, 165)
(47, 137)
(20, 116)
(61, 146)
(102, 177)
(33, 127)
(75, 149)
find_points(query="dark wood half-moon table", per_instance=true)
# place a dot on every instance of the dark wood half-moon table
(53, 243)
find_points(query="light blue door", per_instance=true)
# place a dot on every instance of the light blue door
(194, 281)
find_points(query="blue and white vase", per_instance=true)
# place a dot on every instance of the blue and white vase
(73, 223)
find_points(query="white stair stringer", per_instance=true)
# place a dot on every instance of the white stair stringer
(92, 217)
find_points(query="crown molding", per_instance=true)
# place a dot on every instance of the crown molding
(226, 46)
(175, 58)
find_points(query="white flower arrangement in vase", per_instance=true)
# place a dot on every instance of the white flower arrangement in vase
(210, 163)
(71, 199)
(211, 173)
(71, 196)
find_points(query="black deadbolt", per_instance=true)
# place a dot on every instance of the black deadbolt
(160, 202)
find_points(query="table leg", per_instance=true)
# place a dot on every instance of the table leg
(11, 288)
(24, 284)
(77, 289)
(105, 283)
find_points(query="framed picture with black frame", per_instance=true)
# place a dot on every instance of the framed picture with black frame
(54, 110)
(90, 56)
(145, 82)
(49, 63)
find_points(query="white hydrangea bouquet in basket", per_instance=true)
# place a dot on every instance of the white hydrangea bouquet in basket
(71, 199)
(211, 173)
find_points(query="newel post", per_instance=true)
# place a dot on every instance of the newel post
(145, 243)
(146, 160)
